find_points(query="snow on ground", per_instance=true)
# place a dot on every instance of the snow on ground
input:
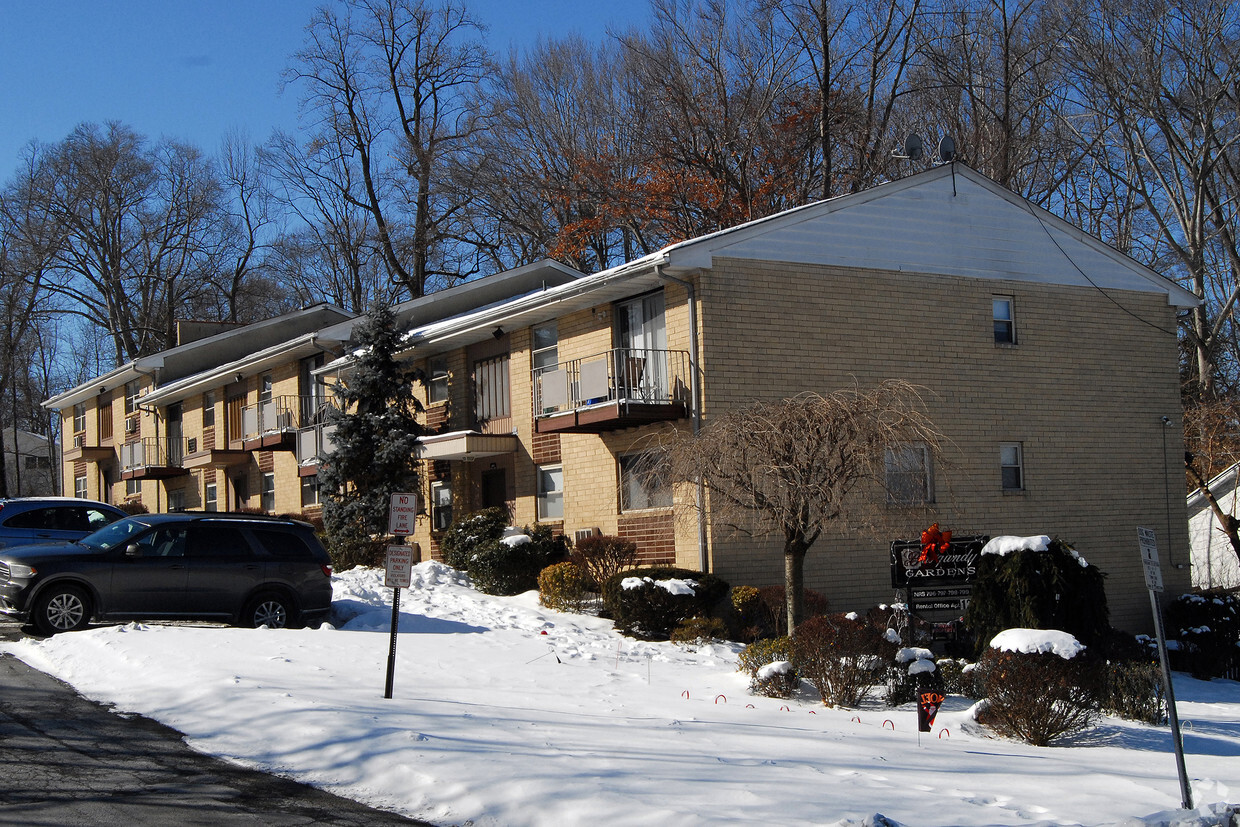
(506, 713)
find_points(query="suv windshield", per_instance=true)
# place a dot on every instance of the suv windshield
(117, 534)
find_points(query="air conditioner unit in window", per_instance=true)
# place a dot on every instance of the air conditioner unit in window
(131, 425)
(78, 441)
(585, 533)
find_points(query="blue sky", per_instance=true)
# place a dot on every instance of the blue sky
(195, 70)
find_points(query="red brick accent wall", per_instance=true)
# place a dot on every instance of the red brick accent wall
(436, 418)
(546, 449)
(654, 535)
(266, 462)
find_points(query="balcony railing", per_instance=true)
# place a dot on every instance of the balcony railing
(619, 388)
(274, 423)
(154, 457)
(314, 444)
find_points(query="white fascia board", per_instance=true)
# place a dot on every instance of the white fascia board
(250, 365)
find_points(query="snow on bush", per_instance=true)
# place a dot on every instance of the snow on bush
(672, 586)
(1037, 641)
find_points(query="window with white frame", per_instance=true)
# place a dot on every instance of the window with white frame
(441, 505)
(550, 492)
(79, 417)
(1005, 320)
(1012, 466)
(268, 500)
(310, 491)
(437, 379)
(210, 497)
(132, 390)
(266, 385)
(909, 475)
(642, 483)
(208, 409)
(546, 351)
(79, 487)
(133, 487)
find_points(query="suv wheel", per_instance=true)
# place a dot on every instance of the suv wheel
(62, 609)
(271, 610)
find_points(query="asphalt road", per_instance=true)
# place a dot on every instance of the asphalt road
(66, 761)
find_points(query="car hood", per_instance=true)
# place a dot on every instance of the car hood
(43, 551)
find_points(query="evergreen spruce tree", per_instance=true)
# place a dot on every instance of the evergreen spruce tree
(1050, 589)
(376, 434)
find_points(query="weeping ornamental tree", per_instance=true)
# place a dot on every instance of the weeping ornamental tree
(376, 435)
(797, 466)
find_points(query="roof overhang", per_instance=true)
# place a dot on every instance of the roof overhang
(465, 445)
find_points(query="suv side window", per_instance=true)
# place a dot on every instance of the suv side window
(72, 518)
(216, 540)
(165, 541)
(36, 518)
(97, 519)
(284, 544)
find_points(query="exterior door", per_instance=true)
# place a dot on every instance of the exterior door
(175, 436)
(641, 358)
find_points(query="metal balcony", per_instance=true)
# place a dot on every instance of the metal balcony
(153, 458)
(620, 388)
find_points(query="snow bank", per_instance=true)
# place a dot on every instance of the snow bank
(1007, 544)
(1035, 641)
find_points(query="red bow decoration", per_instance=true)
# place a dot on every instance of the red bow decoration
(934, 543)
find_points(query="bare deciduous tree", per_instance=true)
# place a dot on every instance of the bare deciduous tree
(797, 466)
(388, 81)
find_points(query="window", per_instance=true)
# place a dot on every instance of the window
(208, 409)
(441, 505)
(210, 497)
(551, 493)
(133, 487)
(546, 347)
(131, 396)
(491, 388)
(268, 499)
(265, 387)
(310, 491)
(1012, 466)
(176, 500)
(79, 417)
(437, 382)
(642, 485)
(79, 487)
(1005, 329)
(909, 475)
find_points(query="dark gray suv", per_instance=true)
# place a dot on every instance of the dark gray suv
(238, 568)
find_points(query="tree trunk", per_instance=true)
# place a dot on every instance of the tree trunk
(794, 583)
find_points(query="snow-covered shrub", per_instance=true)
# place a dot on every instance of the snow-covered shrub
(1207, 628)
(768, 663)
(650, 602)
(697, 631)
(913, 670)
(498, 558)
(841, 657)
(1038, 685)
(602, 556)
(1036, 583)
(463, 538)
(563, 586)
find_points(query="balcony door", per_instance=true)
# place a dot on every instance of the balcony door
(175, 434)
(641, 334)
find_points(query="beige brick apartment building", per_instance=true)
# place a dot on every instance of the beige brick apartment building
(1050, 360)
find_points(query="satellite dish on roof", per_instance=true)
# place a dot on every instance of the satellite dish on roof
(913, 147)
(947, 149)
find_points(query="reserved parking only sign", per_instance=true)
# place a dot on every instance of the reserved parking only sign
(398, 567)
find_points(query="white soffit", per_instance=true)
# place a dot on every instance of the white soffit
(935, 223)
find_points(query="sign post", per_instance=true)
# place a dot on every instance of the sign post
(398, 570)
(1153, 581)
